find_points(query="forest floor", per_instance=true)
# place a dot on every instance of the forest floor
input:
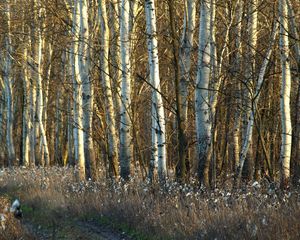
(55, 206)
(75, 229)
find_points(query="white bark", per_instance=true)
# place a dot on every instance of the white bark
(237, 67)
(185, 53)
(26, 117)
(248, 91)
(110, 114)
(32, 108)
(87, 89)
(40, 102)
(115, 70)
(202, 108)
(77, 96)
(286, 124)
(250, 124)
(158, 115)
(125, 125)
(8, 89)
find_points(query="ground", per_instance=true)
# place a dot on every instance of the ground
(55, 206)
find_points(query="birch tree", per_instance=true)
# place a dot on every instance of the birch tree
(296, 135)
(249, 83)
(26, 117)
(286, 125)
(39, 98)
(185, 52)
(32, 105)
(109, 104)
(250, 124)
(8, 85)
(77, 94)
(182, 148)
(237, 68)
(87, 89)
(158, 115)
(125, 125)
(115, 71)
(202, 109)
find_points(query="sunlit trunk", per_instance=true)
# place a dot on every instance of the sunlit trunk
(39, 99)
(250, 122)
(202, 108)
(110, 113)
(77, 96)
(158, 115)
(248, 89)
(237, 95)
(286, 124)
(87, 90)
(26, 111)
(125, 125)
(8, 83)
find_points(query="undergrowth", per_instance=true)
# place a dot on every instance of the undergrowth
(150, 211)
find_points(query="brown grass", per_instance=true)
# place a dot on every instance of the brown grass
(152, 212)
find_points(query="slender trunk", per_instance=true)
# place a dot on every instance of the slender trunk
(8, 82)
(26, 116)
(77, 96)
(115, 71)
(125, 125)
(250, 123)
(185, 53)
(181, 165)
(109, 104)
(286, 125)
(296, 136)
(46, 93)
(249, 83)
(87, 91)
(202, 108)
(32, 104)
(158, 115)
(39, 99)
(237, 68)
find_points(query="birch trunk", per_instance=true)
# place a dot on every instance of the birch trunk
(259, 84)
(296, 136)
(46, 93)
(87, 92)
(158, 115)
(202, 109)
(39, 99)
(77, 96)
(125, 125)
(248, 90)
(182, 148)
(32, 104)
(237, 68)
(109, 104)
(26, 117)
(186, 52)
(286, 125)
(8, 90)
(115, 71)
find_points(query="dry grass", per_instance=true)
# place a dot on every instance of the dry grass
(170, 212)
(10, 227)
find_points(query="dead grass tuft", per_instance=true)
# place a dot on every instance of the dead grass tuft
(147, 211)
